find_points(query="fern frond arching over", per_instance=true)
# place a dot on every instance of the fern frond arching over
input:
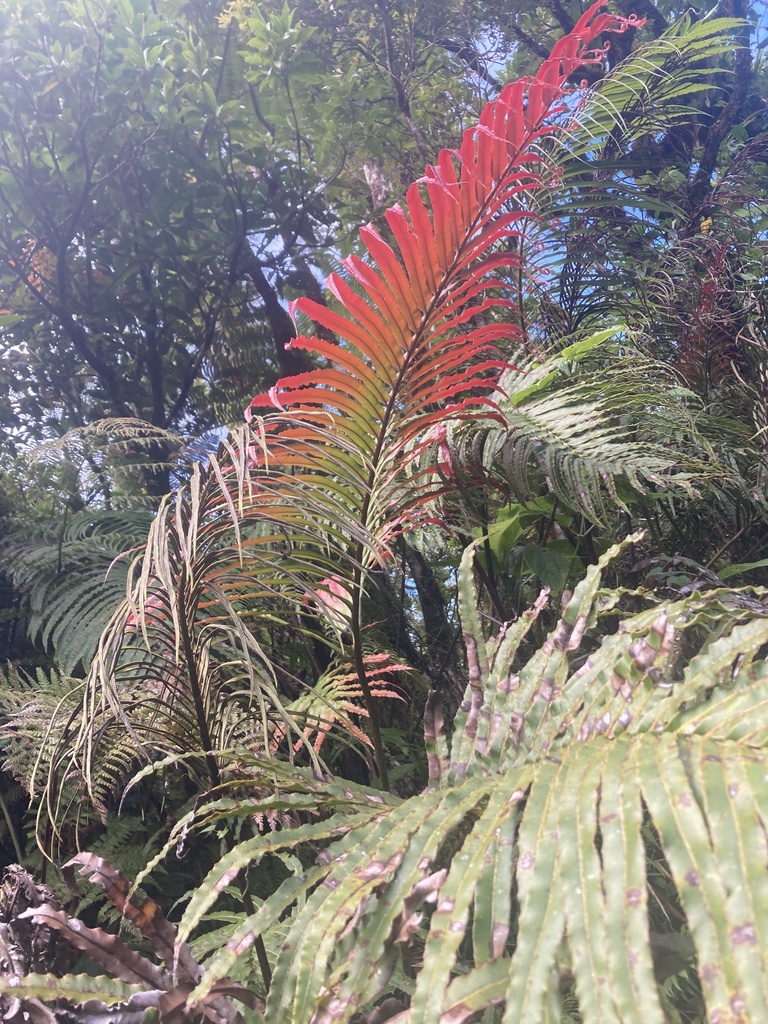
(74, 577)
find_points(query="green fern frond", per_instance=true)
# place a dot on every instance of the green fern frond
(590, 424)
(503, 875)
(550, 767)
(28, 706)
(74, 577)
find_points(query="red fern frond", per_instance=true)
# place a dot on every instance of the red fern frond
(411, 352)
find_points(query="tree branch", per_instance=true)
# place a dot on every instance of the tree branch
(701, 185)
(291, 361)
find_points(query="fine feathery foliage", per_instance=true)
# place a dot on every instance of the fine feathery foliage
(73, 576)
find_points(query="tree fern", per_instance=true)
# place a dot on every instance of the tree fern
(74, 576)
(320, 487)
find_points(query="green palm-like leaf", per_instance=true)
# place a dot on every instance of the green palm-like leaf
(583, 421)
(530, 850)
(524, 868)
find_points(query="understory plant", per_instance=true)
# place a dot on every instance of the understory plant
(590, 842)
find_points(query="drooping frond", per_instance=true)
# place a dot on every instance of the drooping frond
(589, 421)
(654, 88)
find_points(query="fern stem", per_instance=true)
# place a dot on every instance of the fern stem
(11, 829)
(258, 945)
(196, 689)
(357, 655)
(720, 551)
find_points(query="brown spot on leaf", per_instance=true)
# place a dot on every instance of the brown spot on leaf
(603, 725)
(226, 879)
(684, 800)
(547, 690)
(708, 974)
(692, 877)
(620, 684)
(526, 862)
(562, 635)
(733, 790)
(377, 867)
(744, 934)
(634, 897)
(585, 731)
(642, 653)
(509, 683)
(499, 936)
(238, 948)
(516, 723)
(578, 632)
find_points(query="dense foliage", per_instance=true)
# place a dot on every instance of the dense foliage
(425, 695)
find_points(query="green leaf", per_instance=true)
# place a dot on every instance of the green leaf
(79, 988)
(551, 566)
(737, 568)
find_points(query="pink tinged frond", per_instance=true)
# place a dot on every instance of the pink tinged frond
(154, 611)
(382, 296)
(384, 353)
(337, 354)
(341, 325)
(413, 258)
(392, 270)
(404, 344)
(425, 238)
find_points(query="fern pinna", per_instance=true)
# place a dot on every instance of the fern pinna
(309, 497)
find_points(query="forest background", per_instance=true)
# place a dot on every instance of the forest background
(335, 630)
